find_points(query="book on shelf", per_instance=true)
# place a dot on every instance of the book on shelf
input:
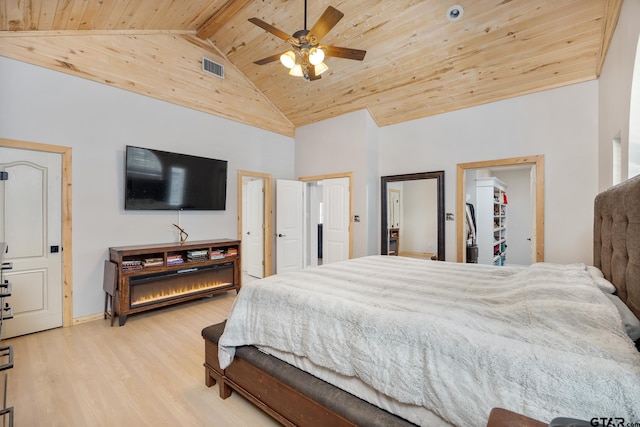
(197, 255)
(152, 262)
(174, 259)
(133, 264)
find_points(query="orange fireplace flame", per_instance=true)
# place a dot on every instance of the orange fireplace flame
(170, 292)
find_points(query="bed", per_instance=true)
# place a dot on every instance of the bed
(439, 343)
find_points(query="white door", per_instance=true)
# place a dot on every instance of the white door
(31, 225)
(335, 229)
(254, 234)
(289, 225)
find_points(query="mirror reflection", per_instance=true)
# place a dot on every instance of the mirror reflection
(394, 207)
(413, 215)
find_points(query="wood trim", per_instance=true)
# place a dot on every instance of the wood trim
(538, 162)
(89, 318)
(67, 250)
(268, 216)
(326, 176)
(338, 175)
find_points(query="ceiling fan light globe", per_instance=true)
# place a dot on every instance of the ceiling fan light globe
(288, 59)
(296, 71)
(316, 56)
(320, 68)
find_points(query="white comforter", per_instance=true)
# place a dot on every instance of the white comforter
(457, 339)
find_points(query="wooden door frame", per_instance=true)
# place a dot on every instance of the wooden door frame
(267, 216)
(538, 162)
(338, 175)
(67, 250)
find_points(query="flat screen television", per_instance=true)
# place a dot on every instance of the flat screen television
(160, 180)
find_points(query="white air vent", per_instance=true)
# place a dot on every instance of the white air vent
(212, 67)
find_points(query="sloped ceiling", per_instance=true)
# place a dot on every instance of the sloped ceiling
(418, 63)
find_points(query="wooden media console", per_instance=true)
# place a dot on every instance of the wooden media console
(153, 276)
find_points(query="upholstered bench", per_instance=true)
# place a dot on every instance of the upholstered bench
(291, 396)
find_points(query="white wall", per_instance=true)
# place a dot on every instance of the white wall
(615, 92)
(97, 121)
(372, 192)
(346, 144)
(561, 124)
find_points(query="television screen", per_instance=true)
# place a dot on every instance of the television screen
(160, 180)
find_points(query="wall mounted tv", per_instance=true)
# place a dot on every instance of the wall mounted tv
(160, 180)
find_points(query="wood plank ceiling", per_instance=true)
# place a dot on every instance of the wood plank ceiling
(418, 63)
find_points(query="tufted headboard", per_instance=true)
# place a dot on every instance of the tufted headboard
(616, 239)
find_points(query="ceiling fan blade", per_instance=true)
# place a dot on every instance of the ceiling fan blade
(270, 28)
(268, 59)
(344, 52)
(327, 21)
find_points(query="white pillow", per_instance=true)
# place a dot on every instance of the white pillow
(604, 285)
(594, 271)
(629, 320)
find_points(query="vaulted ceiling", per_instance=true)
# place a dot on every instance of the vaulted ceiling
(418, 62)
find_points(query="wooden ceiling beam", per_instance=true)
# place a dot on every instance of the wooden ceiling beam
(222, 15)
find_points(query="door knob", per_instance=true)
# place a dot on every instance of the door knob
(248, 232)
(282, 235)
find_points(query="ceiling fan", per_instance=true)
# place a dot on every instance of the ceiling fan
(306, 57)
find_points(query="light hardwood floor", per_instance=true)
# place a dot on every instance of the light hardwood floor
(146, 373)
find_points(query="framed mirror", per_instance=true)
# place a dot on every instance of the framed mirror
(414, 226)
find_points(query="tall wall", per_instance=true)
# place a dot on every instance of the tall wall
(97, 122)
(615, 92)
(561, 124)
(347, 143)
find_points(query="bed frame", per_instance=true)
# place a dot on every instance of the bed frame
(296, 398)
(288, 394)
